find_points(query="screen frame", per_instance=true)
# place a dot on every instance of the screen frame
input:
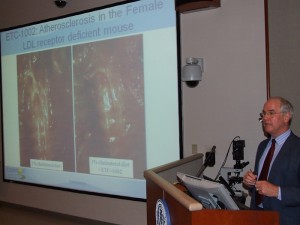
(179, 102)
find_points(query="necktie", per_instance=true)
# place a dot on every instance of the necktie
(265, 170)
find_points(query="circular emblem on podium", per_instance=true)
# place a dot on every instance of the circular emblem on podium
(162, 215)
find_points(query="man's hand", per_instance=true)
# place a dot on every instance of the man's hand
(266, 188)
(250, 179)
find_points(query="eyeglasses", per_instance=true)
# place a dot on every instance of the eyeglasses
(269, 114)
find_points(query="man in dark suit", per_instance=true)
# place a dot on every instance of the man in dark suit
(280, 189)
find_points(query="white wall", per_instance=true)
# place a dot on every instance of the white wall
(225, 104)
(231, 40)
(284, 32)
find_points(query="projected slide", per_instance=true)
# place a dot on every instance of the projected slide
(90, 100)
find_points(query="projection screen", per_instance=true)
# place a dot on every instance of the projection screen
(91, 100)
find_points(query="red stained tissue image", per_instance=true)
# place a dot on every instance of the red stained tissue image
(83, 101)
(45, 106)
(109, 101)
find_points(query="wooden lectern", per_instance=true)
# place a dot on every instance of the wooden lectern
(183, 209)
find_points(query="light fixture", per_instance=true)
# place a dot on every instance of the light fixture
(192, 71)
(60, 3)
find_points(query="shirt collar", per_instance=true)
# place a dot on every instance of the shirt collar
(282, 138)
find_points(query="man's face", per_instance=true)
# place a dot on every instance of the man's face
(274, 121)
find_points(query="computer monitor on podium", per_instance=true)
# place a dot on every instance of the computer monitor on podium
(212, 195)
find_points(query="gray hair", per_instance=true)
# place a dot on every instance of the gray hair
(285, 107)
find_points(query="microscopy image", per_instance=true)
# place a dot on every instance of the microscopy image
(45, 107)
(109, 102)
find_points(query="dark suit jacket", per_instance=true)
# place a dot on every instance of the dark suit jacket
(285, 172)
